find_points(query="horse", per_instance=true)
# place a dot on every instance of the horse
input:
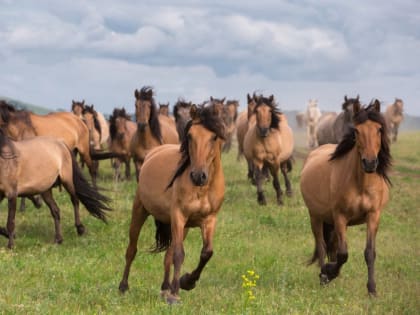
(21, 124)
(218, 105)
(77, 108)
(152, 129)
(182, 116)
(121, 130)
(229, 115)
(181, 187)
(332, 128)
(268, 144)
(164, 109)
(97, 125)
(393, 118)
(347, 184)
(242, 123)
(301, 119)
(312, 116)
(34, 166)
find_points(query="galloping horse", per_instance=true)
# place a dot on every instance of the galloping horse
(312, 116)
(63, 125)
(182, 116)
(230, 113)
(268, 144)
(332, 128)
(152, 129)
(181, 187)
(347, 184)
(122, 130)
(393, 118)
(242, 123)
(35, 166)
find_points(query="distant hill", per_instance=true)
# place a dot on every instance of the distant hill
(30, 107)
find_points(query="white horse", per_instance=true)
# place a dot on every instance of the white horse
(312, 116)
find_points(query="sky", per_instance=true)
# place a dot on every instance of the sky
(53, 52)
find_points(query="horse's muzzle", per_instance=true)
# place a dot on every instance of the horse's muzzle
(370, 166)
(199, 178)
(264, 132)
(142, 126)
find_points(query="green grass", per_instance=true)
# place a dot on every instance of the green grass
(81, 276)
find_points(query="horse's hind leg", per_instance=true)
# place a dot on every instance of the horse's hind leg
(259, 178)
(11, 221)
(285, 168)
(370, 252)
(188, 280)
(138, 217)
(276, 184)
(55, 213)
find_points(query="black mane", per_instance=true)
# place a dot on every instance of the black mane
(275, 112)
(348, 142)
(91, 110)
(211, 121)
(146, 94)
(118, 112)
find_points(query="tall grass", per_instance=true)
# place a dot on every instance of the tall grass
(81, 276)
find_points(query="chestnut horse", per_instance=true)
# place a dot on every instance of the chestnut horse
(347, 184)
(268, 144)
(182, 116)
(230, 114)
(35, 166)
(122, 130)
(152, 129)
(394, 117)
(21, 124)
(181, 187)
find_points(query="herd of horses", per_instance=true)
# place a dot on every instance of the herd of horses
(180, 182)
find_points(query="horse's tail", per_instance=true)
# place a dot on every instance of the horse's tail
(328, 234)
(163, 237)
(95, 202)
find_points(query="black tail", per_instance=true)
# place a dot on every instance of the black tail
(94, 202)
(329, 239)
(163, 237)
(98, 155)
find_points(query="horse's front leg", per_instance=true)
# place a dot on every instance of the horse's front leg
(259, 180)
(276, 184)
(285, 167)
(370, 253)
(11, 221)
(189, 280)
(331, 270)
(55, 213)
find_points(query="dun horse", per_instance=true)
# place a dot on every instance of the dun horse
(152, 129)
(268, 144)
(98, 127)
(181, 188)
(347, 184)
(242, 123)
(394, 117)
(122, 130)
(182, 116)
(35, 166)
(230, 113)
(164, 109)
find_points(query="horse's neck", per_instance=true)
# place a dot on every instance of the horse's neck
(146, 137)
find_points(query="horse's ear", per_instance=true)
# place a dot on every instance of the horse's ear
(223, 100)
(249, 98)
(72, 101)
(194, 112)
(211, 98)
(377, 105)
(136, 93)
(83, 102)
(345, 98)
(271, 98)
(356, 108)
(357, 98)
(150, 93)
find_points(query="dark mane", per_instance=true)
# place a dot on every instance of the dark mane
(275, 112)
(91, 110)
(211, 121)
(348, 142)
(5, 141)
(118, 112)
(146, 94)
(9, 113)
(349, 101)
(181, 103)
(75, 103)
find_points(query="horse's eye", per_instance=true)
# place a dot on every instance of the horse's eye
(214, 138)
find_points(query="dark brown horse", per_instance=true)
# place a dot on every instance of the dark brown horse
(347, 184)
(152, 129)
(230, 114)
(121, 130)
(182, 116)
(181, 188)
(35, 166)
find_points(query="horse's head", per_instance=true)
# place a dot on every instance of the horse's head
(230, 112)
(117, 123)
(90, 117)
(77, 107)
(217, 105)
(164, 109)
(370, 135)
(145, 107)
(252, 102)
(398, 107)
(267, 115)
(182, 111)
(5, 110)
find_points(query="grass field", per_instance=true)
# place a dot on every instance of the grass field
(81, 276)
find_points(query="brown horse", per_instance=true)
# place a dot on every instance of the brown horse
(394, 117)
(164, 109)
(218, 105)
(268, 144)
(347, 184)
(21, 124)
(242, 123)
(77, 108)
(152, 129)
(181, 188)
(35, 166)
(230, 114)
(332, 128)
(182, 116)
(122, 130)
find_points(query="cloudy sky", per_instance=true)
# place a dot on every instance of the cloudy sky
(54, 51)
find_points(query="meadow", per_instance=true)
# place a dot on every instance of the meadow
(258, 266)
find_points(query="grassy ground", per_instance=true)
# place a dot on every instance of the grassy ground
(81, 276)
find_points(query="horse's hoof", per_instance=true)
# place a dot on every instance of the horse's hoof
(280, 202)
(172, 299)
(289, 193)
(80, 229)
(165, 293)
(323, 279)
(3, 231)
(373, 294)
(58, 241)
(123, 287)
(185, 283)
(262, 202)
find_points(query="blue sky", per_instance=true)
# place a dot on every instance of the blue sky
(54, 51)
